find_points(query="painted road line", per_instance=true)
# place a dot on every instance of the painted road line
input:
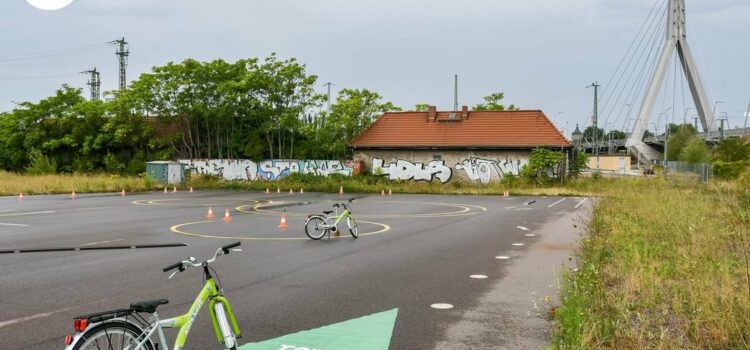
(502, 257)
(371, 332)
(33, 317)
(75, 249)
(101, 242)
(29, 213)
(530, 235)
(556, 203)
(478, 277)
(18, 225)
(178, 230)
(580, 203)
(525, 209)
(441, 306)
(518, 244)
(6, 210)
(465, 209)
(522, 228)
(511, 208)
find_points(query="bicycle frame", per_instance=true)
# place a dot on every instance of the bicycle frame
(346, 213)
(184, 322)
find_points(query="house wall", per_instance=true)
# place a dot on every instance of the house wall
(443, 165)
(610, 163)
(270, 169)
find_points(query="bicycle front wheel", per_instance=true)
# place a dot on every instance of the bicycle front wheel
(353, 229)
(112, 335)
(315, 228)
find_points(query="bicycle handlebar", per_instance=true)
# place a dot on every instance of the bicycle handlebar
(191, 262)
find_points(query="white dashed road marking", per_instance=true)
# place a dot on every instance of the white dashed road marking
(530, 235)
(580, 203)
(478, 277)
(522, 228)
(502, 257)
(441, 306)
(19, 225)
(29, 213)
(518, 244)
(556, 203)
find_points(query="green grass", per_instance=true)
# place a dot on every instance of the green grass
(663, 266)
(14, 184)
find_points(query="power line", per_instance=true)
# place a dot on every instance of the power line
(53, 53)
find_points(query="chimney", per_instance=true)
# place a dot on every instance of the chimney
(465, 112)
(432, 113)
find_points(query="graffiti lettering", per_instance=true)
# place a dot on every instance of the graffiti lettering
(273, 169)
(327, 167)
(486, 170)
(226, 168)
(405, 170)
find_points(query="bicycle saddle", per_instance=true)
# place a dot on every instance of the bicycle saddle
(327, 212)
(148, 306)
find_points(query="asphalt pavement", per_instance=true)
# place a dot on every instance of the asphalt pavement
(488, 259)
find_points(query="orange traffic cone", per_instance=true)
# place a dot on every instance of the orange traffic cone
(73, 195)
(191, 190)
(174, 189)
(290, 191)
(283, 225)
(390, 192)
(301, 191)
(210, 213)
(341, 190)
(122, 194)
(382, 192)
(227, 217)
(278, 190)
(20, 197)
(165, 189)
(267, 191)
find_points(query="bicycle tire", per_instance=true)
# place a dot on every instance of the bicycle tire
(353, 228)
(105, 336)
(314, 229)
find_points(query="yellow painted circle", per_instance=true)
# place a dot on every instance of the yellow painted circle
(464, 209)
(178, 229)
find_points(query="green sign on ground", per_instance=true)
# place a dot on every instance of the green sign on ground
(371, 332)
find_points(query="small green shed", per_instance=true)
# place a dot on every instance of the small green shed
(167, 172)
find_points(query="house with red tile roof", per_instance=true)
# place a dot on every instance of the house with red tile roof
(476, 146)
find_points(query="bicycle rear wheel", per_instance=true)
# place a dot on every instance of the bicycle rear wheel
(315, 228)
(111, 335)
(353, 228)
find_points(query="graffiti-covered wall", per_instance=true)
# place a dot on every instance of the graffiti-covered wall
(272, 169)
(443, 166)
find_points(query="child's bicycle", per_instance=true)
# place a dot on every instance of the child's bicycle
(318, 225)
(128, 329)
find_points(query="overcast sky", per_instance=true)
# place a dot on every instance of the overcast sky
(541, 53)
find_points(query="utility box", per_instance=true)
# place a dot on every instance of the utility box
(166, 172)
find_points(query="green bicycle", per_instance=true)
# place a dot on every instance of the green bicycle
(318, 226)
(127, 329)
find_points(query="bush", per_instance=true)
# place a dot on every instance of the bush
(729, 170)
(40, 164)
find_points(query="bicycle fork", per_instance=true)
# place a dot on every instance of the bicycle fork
(223, 321)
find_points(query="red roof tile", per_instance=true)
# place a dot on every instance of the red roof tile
(509, 129)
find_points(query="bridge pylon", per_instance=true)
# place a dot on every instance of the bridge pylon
(676, 41)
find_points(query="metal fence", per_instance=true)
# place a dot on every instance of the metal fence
(698, 171)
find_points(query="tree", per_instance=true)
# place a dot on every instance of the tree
(544, 165)
(678, 141)
(493, 103)
(616, 135)
(354, 111)
(695, 151)
(732, 150)
(421, 107)
(588, 134)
